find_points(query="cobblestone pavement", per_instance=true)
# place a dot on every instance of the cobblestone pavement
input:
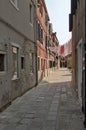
(49, 106)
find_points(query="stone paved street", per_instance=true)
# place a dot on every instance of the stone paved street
(49, 106)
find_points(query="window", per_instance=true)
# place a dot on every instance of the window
(41, 37)
(15, 3)
(51, 63)
(46, 19)
(15, 71)
(2, 62)
(41, 10)
(38, 1)
(31, 13)
(22, 62)
(46, 42)
(39, 33)
(38, 63)
(42, 64)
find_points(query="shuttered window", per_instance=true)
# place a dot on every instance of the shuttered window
(15, 63)
(39, 33)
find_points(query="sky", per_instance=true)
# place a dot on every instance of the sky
(58, 11)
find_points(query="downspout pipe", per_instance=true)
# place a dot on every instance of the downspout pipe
(35, 45)
(85, 68)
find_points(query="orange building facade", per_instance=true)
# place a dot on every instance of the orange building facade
(42, 21)
(45, 36)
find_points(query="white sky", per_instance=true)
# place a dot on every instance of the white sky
(58, 11)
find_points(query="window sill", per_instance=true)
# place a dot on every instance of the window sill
(13, 79)
(31, 74)
(14, 5)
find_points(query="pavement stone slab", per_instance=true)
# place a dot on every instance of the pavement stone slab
(51, 105)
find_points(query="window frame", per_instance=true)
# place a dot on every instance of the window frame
(38, 63)
(4, 53)
(18, 74)
(39, 33)
(22, 68)
(41, 10)
(38, 1)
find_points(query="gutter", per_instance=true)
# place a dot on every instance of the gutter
(35, 45)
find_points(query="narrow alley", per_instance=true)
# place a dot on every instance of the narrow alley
(49, 106)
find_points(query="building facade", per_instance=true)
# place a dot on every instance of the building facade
(65, 54)
(53, 50)
(18, 51)
(78, 27)
(42, 16)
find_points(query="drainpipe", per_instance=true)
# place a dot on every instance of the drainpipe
(35, 43)
(85, 68)
(85, 85)
(9, 71)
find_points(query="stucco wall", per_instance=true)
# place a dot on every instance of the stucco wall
(18, 18)
(15, 30)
